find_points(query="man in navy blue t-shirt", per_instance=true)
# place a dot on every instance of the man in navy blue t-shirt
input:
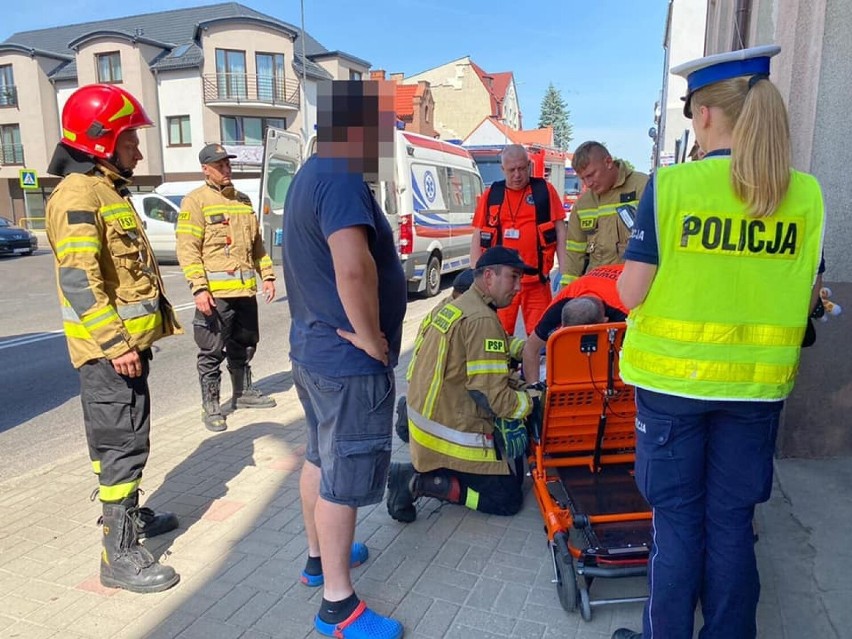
(347, 295)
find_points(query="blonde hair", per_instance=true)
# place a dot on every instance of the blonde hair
(760, 153)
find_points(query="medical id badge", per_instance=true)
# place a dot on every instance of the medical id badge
(512, 234)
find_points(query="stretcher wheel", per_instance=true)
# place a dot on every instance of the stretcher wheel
(566, 581)
(585, 605)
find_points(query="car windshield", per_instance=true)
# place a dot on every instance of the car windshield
(489, 169)
(4, 223)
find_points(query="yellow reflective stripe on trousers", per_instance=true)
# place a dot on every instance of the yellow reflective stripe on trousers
(472, 499)
(448, 441)
(487, 367)
(118, 492)
(96, 466)
(697, 370)
(77, 244)
(437, 379)
(718, 332)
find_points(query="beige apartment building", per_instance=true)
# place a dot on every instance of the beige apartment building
(465, 94)
(217, 73)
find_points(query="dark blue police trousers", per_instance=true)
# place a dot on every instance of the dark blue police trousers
(702, 466)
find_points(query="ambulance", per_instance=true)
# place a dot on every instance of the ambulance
(429, 202)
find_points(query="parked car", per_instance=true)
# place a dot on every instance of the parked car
(15, 240)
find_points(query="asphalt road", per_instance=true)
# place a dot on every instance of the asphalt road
(40, 414)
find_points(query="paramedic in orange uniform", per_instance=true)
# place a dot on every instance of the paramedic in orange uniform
(528, 218)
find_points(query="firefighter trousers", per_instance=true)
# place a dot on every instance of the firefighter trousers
(231, 332)
(117, 417)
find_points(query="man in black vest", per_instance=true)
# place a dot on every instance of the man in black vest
(524, 214)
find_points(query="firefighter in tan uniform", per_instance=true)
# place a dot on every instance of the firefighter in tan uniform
(465, 416)
(221, 251)
(113, 310)
(601, 221)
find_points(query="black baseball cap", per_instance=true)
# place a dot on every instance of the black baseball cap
(213, 153)
(464, 280)
(502, 256)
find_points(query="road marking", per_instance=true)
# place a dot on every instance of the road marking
(29, 339)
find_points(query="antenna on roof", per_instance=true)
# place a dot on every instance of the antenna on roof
(139, 31)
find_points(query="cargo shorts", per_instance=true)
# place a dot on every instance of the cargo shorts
(350, 425)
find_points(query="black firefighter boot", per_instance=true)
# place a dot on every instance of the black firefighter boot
(125, 563)
(149, 523)
(245, 395)
(405, 486)
(211, 410)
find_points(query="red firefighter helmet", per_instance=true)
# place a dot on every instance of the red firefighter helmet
(96, 114)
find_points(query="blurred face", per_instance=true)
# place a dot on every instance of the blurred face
(218, 172)
(502, 283)
(126, 154)
(516, 169)
(600, 174)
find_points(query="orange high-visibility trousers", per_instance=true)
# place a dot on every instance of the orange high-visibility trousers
(533, 299)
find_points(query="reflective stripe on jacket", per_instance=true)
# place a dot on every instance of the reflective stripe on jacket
(595, 235)
(219, 245)
(458, 382)
(110, 289)
(725, 315)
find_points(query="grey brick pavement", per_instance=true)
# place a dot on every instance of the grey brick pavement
(452, 573)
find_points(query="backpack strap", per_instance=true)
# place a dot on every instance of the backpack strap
(495, 198)
(541, 199)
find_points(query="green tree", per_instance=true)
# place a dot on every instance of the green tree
(554, 113)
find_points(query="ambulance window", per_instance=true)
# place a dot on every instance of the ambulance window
(444, 180)
(471, 187)
(390, 198)
(456, 191)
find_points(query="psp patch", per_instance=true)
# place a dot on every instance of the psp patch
(183, 215)
(495, 346)
(127, 221)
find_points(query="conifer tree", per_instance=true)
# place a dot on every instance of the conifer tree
(554, 113)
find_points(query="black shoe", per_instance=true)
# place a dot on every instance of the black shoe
(244, 394)
(625, 633)
(401, 426)
(211, 409)
(400, 500)
(125, 563)
(150, 524)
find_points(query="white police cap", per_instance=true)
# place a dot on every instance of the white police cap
(724, 66)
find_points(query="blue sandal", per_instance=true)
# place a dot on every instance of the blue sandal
(357, 557)
(363, 623)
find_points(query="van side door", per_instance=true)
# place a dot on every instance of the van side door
(282, 157)
(159, 215)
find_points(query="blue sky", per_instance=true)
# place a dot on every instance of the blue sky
(605, 56)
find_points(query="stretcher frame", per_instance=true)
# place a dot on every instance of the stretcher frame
(581, 462)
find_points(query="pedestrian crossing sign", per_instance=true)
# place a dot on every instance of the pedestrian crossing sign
(28, 178)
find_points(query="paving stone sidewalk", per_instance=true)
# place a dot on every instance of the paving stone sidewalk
(452, 573)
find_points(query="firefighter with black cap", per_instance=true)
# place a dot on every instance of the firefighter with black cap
(221, 251)
(113, 310)
(466, 417)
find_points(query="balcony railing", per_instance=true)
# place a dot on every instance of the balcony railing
(12, 154)
(8, 95)
(249, 88)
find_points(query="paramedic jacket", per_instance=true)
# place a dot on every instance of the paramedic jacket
(459, 382)
(219, 245)
(110, 287)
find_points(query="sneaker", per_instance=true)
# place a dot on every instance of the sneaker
(361, 624)
(400, 502)
(357, 556)
(625, 633)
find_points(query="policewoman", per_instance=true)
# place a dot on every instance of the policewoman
(721, 274)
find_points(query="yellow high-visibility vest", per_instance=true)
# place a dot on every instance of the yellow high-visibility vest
(725, 315)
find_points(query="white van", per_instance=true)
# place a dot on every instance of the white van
(159, 211)
(430, 204)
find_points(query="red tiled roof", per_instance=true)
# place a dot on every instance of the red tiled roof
(496, 85)
(404, 100)
(542, 137)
